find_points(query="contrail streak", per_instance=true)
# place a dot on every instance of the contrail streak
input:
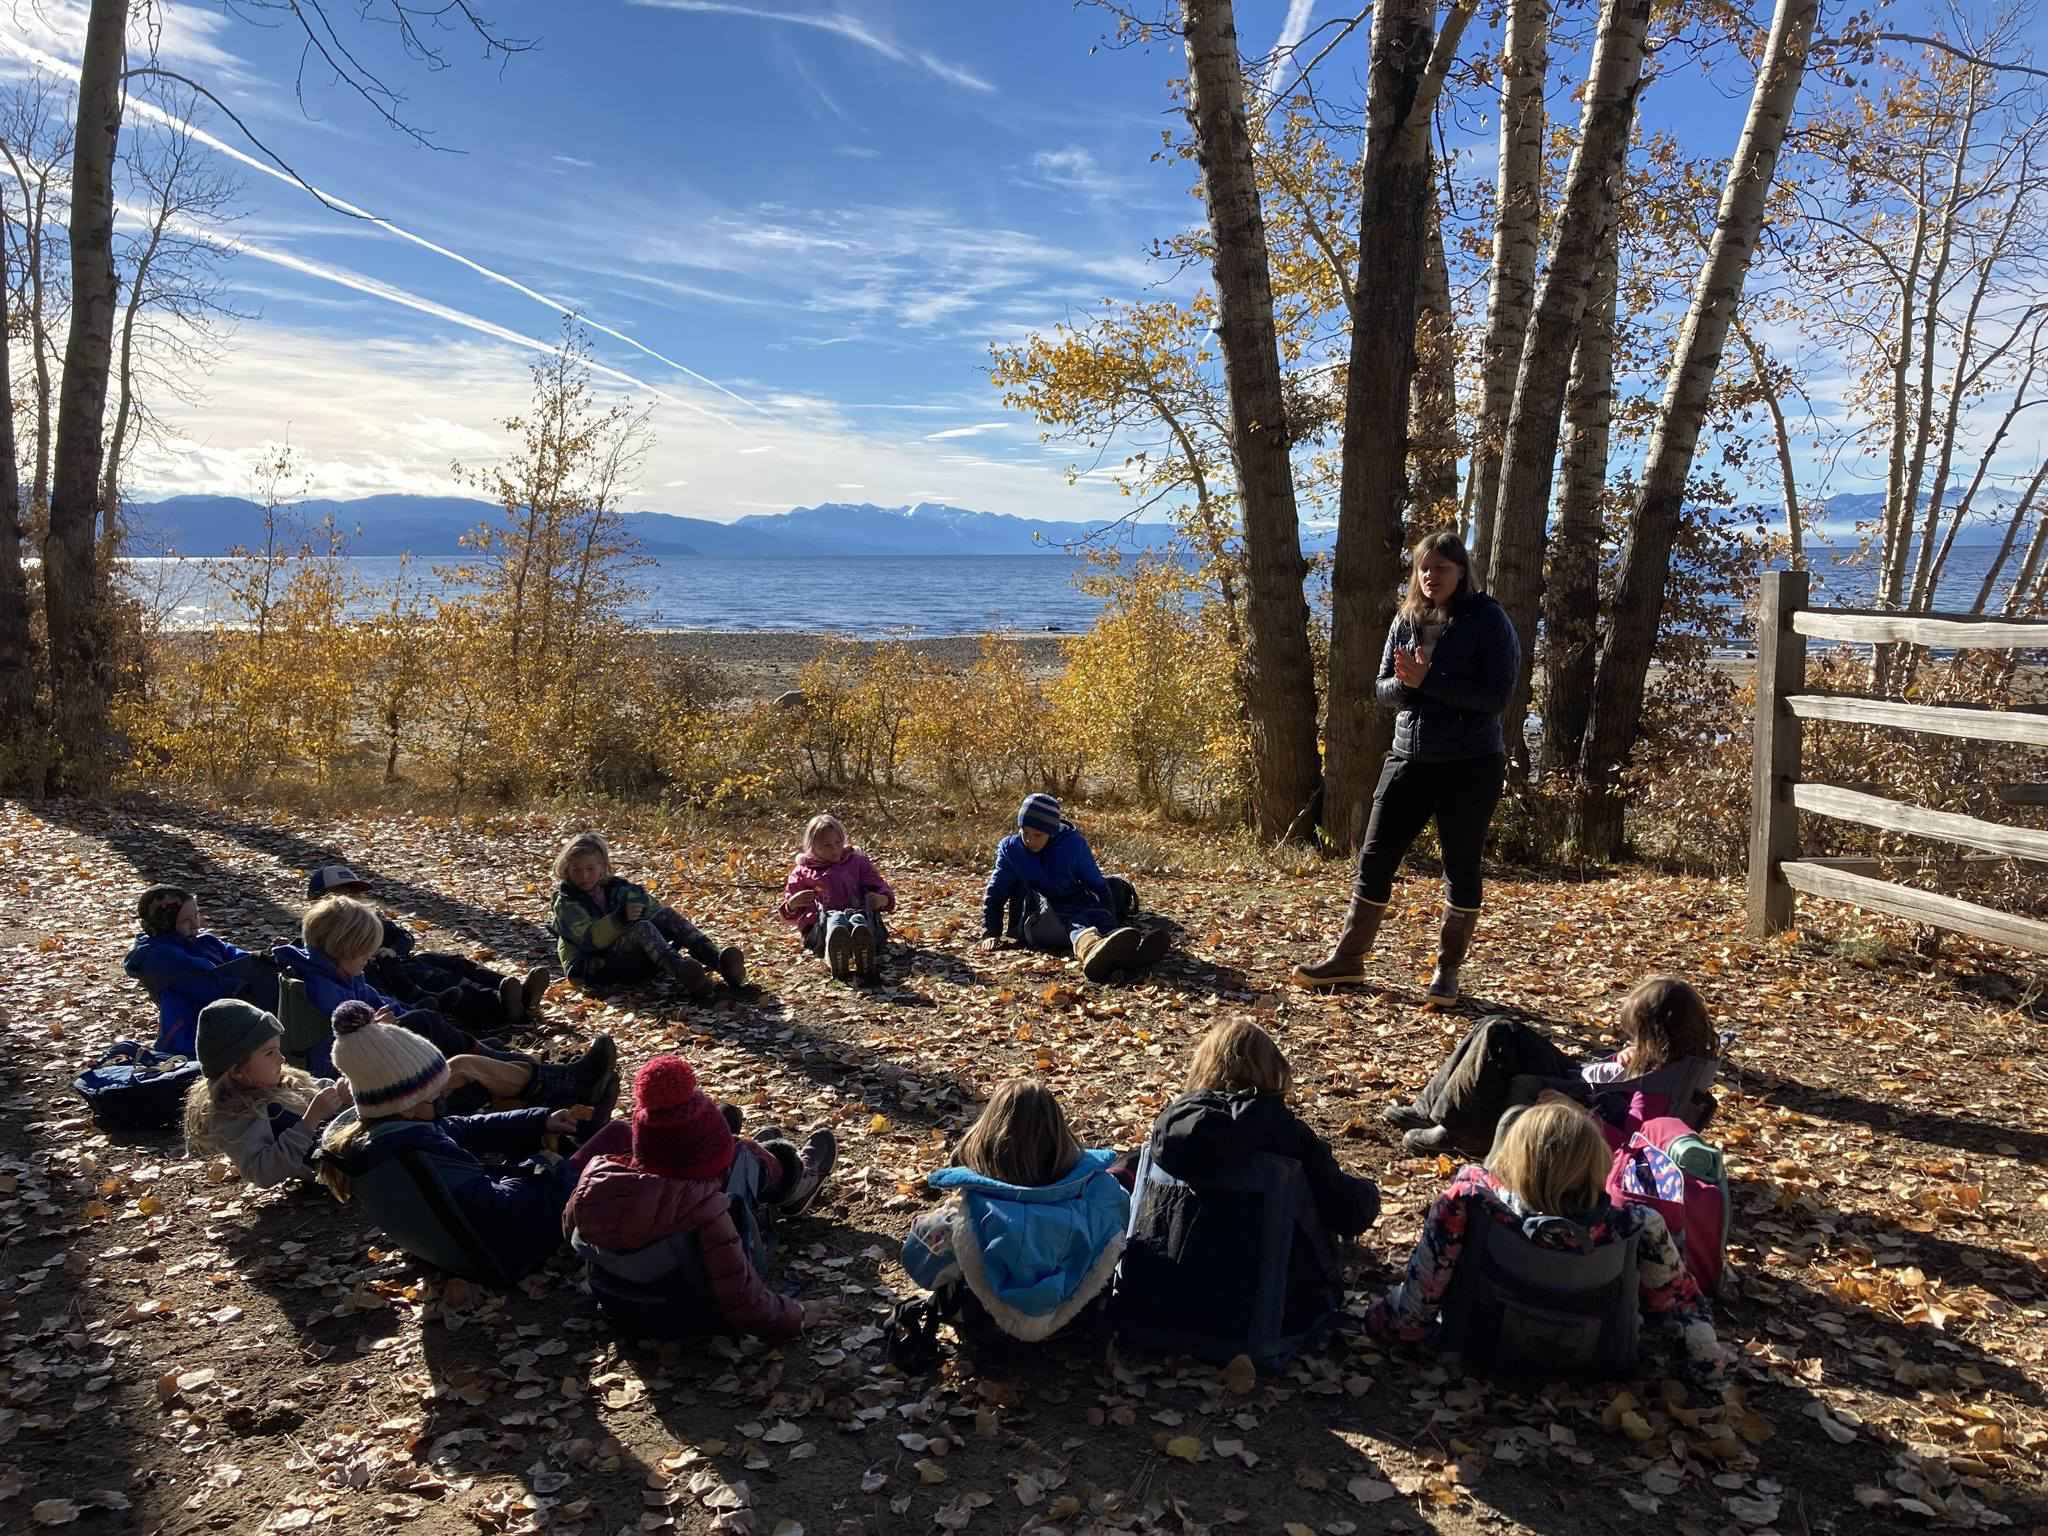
(70, 71)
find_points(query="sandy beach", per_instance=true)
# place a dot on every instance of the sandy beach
(762, 663)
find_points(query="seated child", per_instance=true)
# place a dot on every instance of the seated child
(836, 898)
(1188, 1268)
(254, 1109)
(1030, 1237)
(451, 983)
(610, 932)
(423, 1179)
(1550, 1160)
(1070, 907)
(184, 967)
(340, 937)
(1666, 1065)
(672, 1228)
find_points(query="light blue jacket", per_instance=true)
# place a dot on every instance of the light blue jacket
(1033, 1257)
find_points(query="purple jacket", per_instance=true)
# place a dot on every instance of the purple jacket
(841, 887)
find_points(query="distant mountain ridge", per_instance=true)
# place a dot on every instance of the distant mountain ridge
(433, 526)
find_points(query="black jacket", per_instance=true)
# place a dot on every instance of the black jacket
(1201, 1134)
(1456, 712)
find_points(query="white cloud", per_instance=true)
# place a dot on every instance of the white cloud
(581, 165)
(974, 431)
(839, 24)
(1073, 169)
(856, 152)
(1285, 67)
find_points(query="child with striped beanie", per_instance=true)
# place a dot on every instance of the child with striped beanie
(426, 1181)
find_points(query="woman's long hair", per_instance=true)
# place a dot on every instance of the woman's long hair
(1416, 608)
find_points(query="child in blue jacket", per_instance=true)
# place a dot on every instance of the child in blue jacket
(1047, 868)
(184, 968)
(1030, 1237)
(423, 1180)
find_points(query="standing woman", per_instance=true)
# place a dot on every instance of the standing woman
(1448, 667)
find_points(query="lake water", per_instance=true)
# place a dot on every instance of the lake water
(915, 595)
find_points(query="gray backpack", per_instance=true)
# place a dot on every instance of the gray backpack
(1539, 1298)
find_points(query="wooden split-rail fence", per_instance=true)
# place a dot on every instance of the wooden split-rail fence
(1778, 795)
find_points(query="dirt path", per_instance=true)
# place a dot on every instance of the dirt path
(178, 1353)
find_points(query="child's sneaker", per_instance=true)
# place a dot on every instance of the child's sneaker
(1153, 944)
(863, 964)
(513, 997)
(839, 950)
(695, 981)
(814, 1163)
(732, 965)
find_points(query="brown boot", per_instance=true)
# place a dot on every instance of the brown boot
(1346, 961)
(1451, 945)
(1102, 955)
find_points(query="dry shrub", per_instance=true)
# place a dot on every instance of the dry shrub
(988, 731)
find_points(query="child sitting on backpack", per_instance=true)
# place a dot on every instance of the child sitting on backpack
(253, 1108)
(836, 898)
(423, 1179)
(1047, 869)
(672, 1229)
(474, 996)
(1550, 1160)
(185, 967)
(1666, 1067)
(610, 932)
(1030, 1235)
(1189, 1275)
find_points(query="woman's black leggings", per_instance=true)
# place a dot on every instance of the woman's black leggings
(1459, 794)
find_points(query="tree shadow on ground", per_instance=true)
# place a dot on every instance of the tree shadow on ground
(504, 932)
(159, 855)
(1904, 1121)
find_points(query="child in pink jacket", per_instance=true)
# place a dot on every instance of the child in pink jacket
(836, 898)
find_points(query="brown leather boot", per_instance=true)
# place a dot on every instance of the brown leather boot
(1102, 955)
(1451, 944)
(1345, 963)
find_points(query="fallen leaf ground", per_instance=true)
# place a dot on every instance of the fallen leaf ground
(179, 1353)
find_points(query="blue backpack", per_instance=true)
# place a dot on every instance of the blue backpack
(133, 1088)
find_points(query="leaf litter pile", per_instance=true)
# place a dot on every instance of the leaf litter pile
(179, 1352)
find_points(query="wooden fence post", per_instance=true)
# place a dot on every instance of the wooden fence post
(1773, 821)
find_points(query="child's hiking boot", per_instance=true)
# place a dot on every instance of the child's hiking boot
(1345, 963)
(1430, 1138)
(862, 961)
(1453, 941)
(732, 965)
(839, 949)
(535, 987)
(1406, 1117)
(695, 981)
(513, 996)
(1102, 955)
(559, 1085)
(1153, 945)
(814, 1163)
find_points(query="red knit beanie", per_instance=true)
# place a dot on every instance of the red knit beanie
(677, 1131)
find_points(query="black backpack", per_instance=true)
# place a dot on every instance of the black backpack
(133, 1088)
(1539, 1298)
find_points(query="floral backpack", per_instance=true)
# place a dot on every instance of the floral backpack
(1667, 1167)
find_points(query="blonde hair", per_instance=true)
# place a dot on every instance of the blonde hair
(1021, 1137)
(343, 928)
(1236, 1056)
(222, 1098)
(331, 1172)
(819, 823)
(1664, 1020)
(575, 848)
(1553, 1159)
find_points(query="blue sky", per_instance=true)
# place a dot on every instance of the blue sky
(805, 222)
